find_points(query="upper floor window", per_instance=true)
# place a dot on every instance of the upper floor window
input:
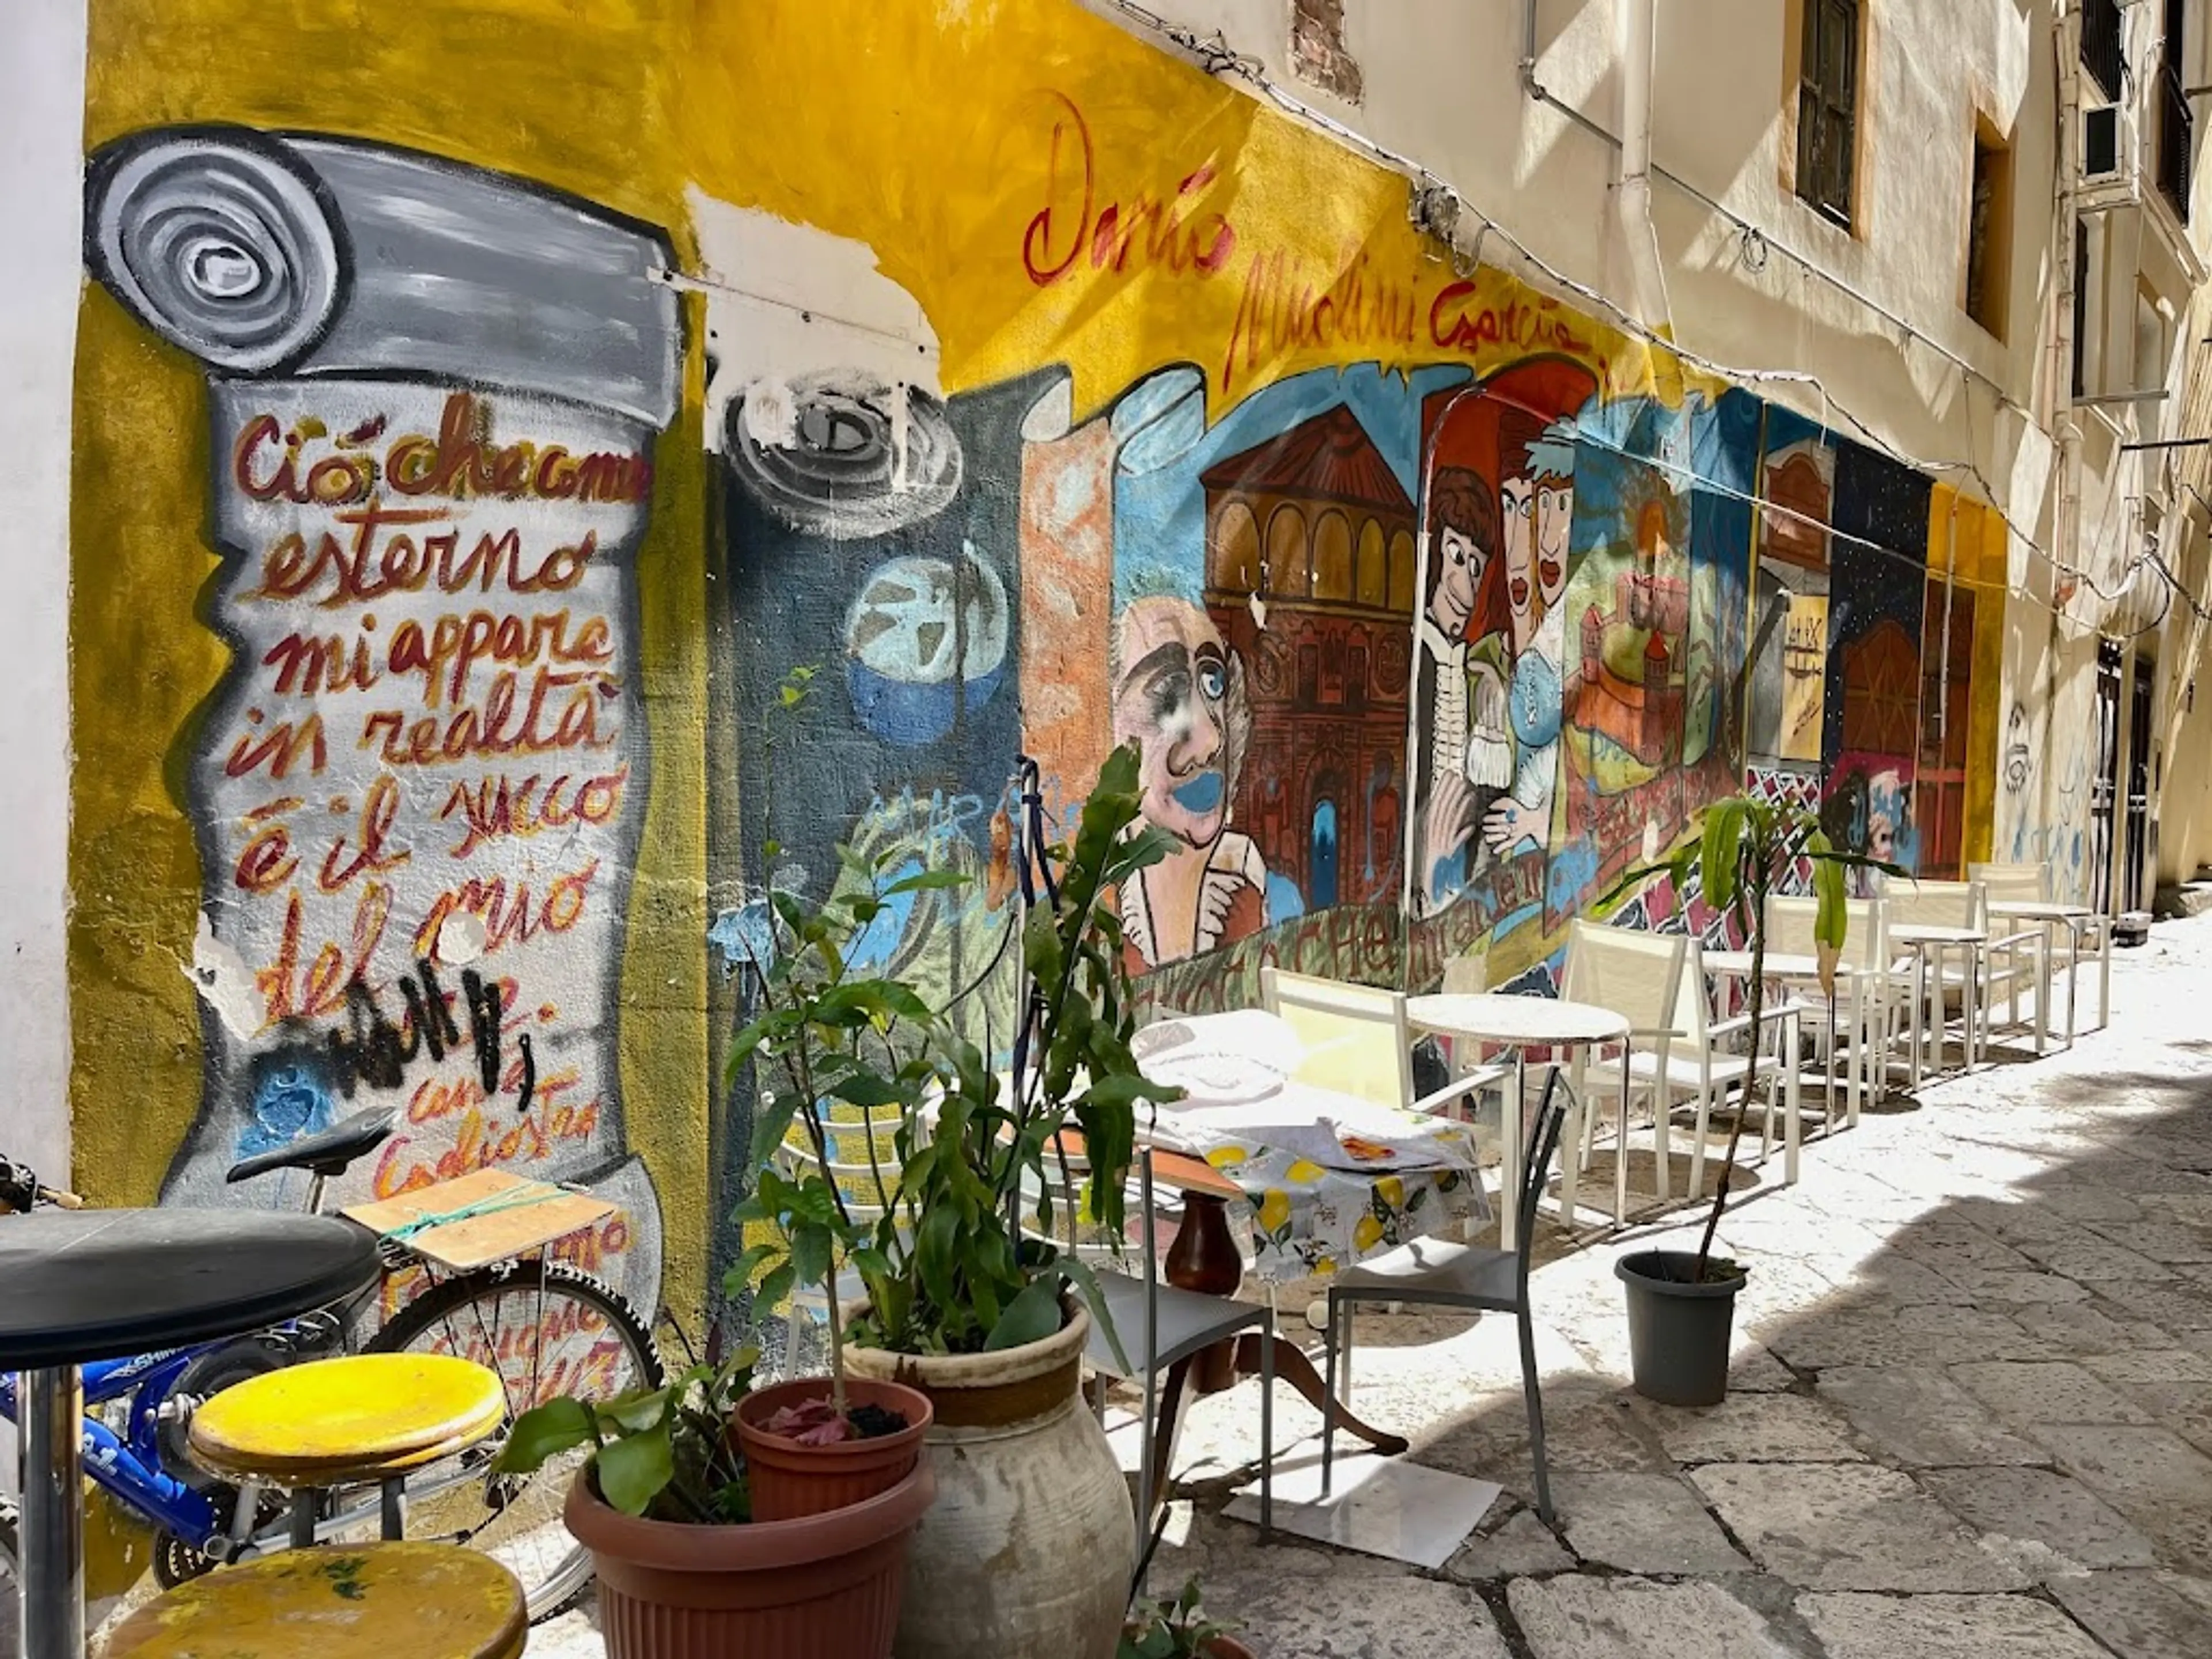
(2101, 39)
(2177, 125)
(1827, 106)
(1989, 230)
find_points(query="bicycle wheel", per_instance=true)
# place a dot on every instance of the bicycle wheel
(547, 1330)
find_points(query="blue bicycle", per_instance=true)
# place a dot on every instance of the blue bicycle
(545, 1328)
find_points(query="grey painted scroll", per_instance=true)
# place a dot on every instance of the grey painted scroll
(419, 788)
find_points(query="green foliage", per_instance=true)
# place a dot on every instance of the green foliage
(666, 1454)
(946, 1268)
(824, 1037)
(960, 1276)
(1175, 1629)
(1742, 849)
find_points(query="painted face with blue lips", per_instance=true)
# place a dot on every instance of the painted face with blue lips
(1176, 692)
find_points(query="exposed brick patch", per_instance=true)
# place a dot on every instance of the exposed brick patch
(1318, 54)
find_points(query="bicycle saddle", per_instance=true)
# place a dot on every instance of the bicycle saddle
(327, 1154)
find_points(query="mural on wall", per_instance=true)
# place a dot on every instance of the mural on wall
(1032, 411)
(1870, 733)
(417, 790)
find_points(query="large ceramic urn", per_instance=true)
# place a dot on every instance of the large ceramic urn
(1028, 1550)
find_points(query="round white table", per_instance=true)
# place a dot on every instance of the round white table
(1521, 1024)
(1930, 943)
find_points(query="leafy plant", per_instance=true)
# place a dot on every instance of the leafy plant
(666, 1455)
(822, 1035)
(825, 1035)
(1743, 848)
(951, 1271)
(1176, 1629)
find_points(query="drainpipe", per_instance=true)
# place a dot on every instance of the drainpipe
(1647, 281)
(1632, 196)
(2066, 525)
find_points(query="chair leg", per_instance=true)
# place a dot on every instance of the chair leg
(391, 1505)
(1793, 1124)
(1529, 1387)
(1328, 1391)
(1697, 1149)
(1620, 1159)
(1266, 1431)
(1663, 1101)
(1571, 1138)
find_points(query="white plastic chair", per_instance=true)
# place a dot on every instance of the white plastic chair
(1637, 975)
(2031, 884)
(1866, 995)
(1697, 1066)
(1924, 903)
(1357, 1041)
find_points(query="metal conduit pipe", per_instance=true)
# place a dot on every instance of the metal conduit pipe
(1537, 91)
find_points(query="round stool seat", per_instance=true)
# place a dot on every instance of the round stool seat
(360, 1418)
(377, 1601)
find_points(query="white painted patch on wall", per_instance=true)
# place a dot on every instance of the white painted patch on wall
(462, 937)
(225, 983)
(784, 303)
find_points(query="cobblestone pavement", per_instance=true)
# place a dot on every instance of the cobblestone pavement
(1971, 1411)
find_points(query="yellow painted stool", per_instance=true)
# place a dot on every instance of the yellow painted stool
(337, 1422)
(377, 1602)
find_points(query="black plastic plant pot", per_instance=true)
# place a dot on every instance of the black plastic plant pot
(1678, 1331)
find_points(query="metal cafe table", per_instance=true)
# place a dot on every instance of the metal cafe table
(88, 1285)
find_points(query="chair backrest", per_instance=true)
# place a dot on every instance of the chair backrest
(1535, 1174)
(1791, 929)
(1926, 902)
(1072, 1229)
(1638, 974)
(1355, 1037)
(2014, 883)
(864, 1161)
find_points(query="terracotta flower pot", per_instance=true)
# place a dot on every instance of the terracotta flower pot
(1028, 1551)
(825, 1587)
(789, 1480)
(1228, 1647)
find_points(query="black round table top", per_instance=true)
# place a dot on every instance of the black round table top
(77, 1286)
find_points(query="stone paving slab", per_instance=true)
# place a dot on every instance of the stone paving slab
(1578, 1617)
(2157, 1479)
(1521, 1546)
(2026, 1392)
(1918, 1417)
(2079, 1529)
(2162, 1240)
(2142, 1615)
(2163, 1365)
(1843, 1526)
(1944, 1627)
(1647, 1523)
(1751, 1428)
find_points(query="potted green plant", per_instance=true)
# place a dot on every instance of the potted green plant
(822, 1035)
(684, 1572)
(1027, 1554)
(1681, 1304)
(1178, 1629)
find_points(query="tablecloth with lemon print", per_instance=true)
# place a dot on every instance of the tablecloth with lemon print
(1309, 1220)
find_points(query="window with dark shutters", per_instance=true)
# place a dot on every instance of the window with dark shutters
(1827, 107)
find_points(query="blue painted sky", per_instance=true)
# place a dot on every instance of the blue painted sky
(1159, 509)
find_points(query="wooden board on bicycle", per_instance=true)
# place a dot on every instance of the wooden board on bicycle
(481, 1217)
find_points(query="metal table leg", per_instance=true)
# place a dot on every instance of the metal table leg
(53, 1543)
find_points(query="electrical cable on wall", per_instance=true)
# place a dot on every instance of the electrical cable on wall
(1215, 55)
